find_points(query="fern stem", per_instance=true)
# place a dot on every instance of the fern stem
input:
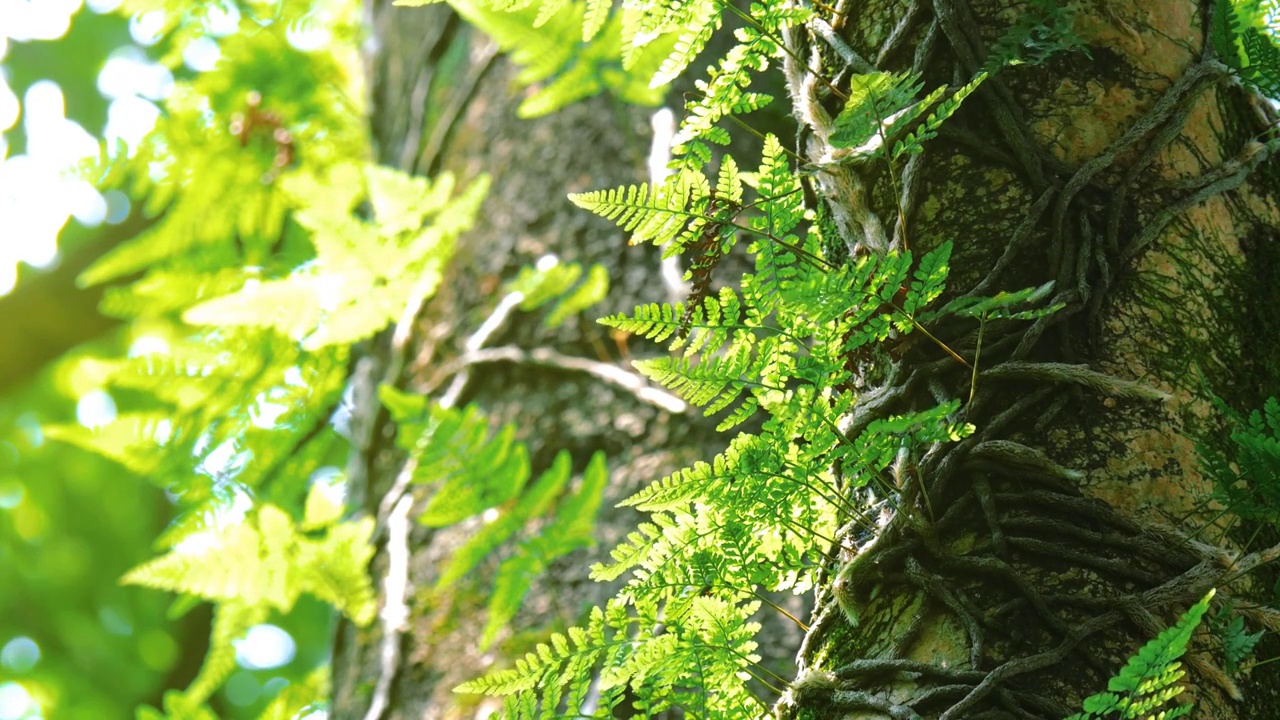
(746, 17)
(762, 681)
(800, 531)
(780, 609)
(838, 501)
(977, 353)
(897, 193)
(790, 246)
(760, 136)
(930, 335)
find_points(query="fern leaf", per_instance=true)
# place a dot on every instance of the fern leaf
(531, 504)
(591, 291)
(874, 99)
(293, 701)
(703, 19)
(1148, 681)
(929, 279)
(579, 81)
(563, 665)
(654, 321)
(630, 553)
(596, 14)
(267, 563)
(688, 485)
(714, 382)
(913, 142)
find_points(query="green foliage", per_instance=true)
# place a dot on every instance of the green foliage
(274, 246)
(1237, 645)
(882, 117)
(716, 534)
(571, 50)
(1246, 35)
(363, 271)
(268, 560)
(474, 473)
(264, 563)
(1247, 480)
(1150, 680)
(1044, 29)
(725, 92)
(540, 286)
(763, 513)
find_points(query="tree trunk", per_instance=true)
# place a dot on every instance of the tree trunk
(1133, 177)
(443, 100)
(1060, 532)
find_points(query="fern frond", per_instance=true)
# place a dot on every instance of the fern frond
(668, 214)
(293, 701)
(883, 106)
(677, 490)
(715, 382)
(702, 19)
(231, 620)
(268, 563)
(591, 291)
(1246, 35)
(635, 549)
(569, 530)
(555, 670)
(596, 14)
(913, 142)
(363, 273)
(1150, 679)
(533, 503)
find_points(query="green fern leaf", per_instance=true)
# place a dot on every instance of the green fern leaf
(591, 291)
(1148, 681)
(531, 504)
(296, 698)
(658, 216)
(702, 20)
(596, 15)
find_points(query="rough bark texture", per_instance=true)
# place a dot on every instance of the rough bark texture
(1135, 180)
(444, 100)
(1063, 531)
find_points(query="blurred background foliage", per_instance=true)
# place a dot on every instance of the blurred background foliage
(81, 84)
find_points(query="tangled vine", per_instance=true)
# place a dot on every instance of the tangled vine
(1014, 517)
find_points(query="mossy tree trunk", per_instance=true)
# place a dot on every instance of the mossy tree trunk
(1070, 528)
(443, 99)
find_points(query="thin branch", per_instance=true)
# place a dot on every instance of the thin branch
(395, 609)
(546, 357)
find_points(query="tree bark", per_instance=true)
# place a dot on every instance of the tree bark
(1137, 178)
(444, 100)
(1069, 528)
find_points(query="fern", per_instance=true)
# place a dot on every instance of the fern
(672, 213)
(569, 50)
(268, 562)
(1149, 681)
(296, 701)
(329, 301)
(1248, 479)
(1237, 645)
(882, 117)
(1246, 35)
(475, 473)
(559, 282)
(1045, 29)
(763, 514)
